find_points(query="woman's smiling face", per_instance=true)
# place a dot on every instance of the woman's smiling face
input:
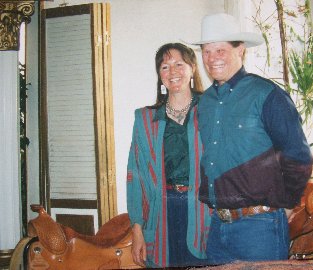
(175, 73)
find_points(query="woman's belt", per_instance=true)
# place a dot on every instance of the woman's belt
(229, 215)
(179, 188)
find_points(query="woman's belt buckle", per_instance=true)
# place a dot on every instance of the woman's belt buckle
(180, 188)
(224, 215)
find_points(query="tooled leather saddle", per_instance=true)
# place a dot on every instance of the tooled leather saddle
(301, 227)
(57, 247)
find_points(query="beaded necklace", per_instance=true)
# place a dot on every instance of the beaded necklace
(178, 115)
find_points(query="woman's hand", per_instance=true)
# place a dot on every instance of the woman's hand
(139, 251)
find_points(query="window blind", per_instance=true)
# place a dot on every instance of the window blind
(71, 135)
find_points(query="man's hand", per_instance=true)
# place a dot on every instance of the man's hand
(139, 251)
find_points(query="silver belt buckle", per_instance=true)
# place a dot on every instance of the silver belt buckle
(224, 215)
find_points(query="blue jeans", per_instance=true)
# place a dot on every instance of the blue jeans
(177, 218)
(260, 237)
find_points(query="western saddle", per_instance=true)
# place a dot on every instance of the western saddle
(56, 247)
(301, 227)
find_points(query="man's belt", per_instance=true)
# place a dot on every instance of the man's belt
(229, 215)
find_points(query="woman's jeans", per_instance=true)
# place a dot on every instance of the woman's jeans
(177, 218)
(260, 237)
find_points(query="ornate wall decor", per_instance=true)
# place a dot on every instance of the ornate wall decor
(12, 14)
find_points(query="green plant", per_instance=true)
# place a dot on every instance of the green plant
(301, 70)
(296, 63)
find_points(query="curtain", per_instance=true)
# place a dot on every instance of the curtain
(10, 231)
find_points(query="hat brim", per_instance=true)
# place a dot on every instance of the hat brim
(250, 39)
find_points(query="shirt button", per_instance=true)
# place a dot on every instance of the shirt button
(217, 122)
(240, 126)
(231, 90)
(221, 102)
(212, 163)
(211, 185)
(215, 142)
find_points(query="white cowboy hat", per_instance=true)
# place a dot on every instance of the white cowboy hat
(224, 27)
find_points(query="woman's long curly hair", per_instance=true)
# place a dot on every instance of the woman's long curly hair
(188, 56)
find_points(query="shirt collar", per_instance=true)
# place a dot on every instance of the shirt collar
(233, 80)
(161, 111)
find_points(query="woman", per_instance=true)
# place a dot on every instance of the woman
(170, 224)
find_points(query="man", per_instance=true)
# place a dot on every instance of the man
(256, 160)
